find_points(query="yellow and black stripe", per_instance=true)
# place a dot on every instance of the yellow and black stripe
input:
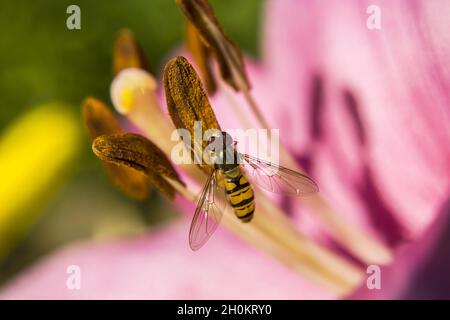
(239, 193)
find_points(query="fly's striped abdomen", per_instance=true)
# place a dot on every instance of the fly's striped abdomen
(239, 194)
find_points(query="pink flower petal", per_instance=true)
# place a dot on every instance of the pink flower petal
(362, 103)
(420, 270)
(161, 266)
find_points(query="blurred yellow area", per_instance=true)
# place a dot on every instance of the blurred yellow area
(34, 152)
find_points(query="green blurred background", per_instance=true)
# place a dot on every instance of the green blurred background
(42, 61)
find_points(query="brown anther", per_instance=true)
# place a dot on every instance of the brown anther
(187, 101)
(228, 56)
(128, 53)
(99, 120)
(201, 56)
(137, 152)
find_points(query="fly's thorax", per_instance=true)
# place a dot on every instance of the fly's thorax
(226, 159)
(232, 173)
(223, 153)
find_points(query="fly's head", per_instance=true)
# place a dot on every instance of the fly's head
(221, 147)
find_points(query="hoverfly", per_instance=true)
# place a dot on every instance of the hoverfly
(239, 190)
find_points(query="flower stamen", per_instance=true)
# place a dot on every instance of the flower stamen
(99, 120)
(135, 151)
(128, 53)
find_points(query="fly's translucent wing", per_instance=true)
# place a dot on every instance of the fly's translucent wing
(278, 179)
(208, 214)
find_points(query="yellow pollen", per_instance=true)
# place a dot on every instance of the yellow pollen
(127, 98)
